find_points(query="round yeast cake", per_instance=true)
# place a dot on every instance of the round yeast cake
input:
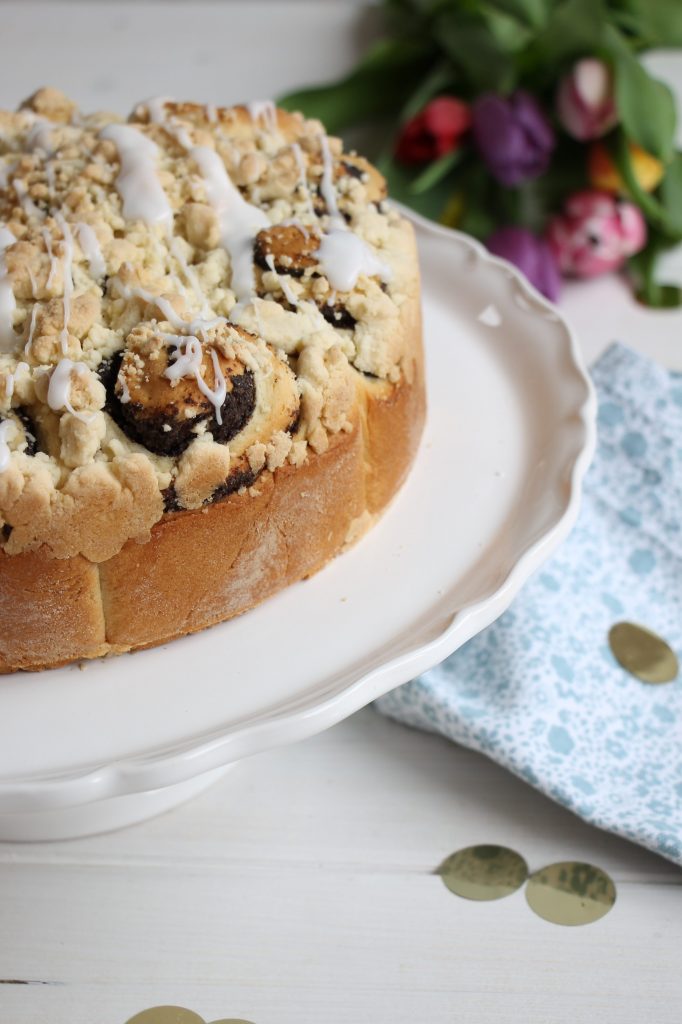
(211, 371)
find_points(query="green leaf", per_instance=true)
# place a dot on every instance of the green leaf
(477, 222)
(423, 8)
(667, 296)
(473, 189)
(437, 79)
(574, 28)
(403, 20)
(509, 34)
(533, 12)
(391, 54)
(645, 105)
(646, 202)
(671, 194)
(667, 221)
(642, 271)
(379, 85)
(436, 171)
(654, 22)
(400, 178)
(475, 52)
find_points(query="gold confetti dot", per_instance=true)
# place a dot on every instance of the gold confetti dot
(178, 1015)
(643, 653)
(484, 872)
(570, 893)
(166, 1015)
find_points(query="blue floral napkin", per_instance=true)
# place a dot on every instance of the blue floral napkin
(539, 691)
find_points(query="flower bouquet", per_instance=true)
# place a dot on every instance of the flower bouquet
(530, 124)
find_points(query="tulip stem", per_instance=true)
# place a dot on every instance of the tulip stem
(436, 171)
(652, 208)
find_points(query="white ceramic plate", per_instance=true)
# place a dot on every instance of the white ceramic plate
(494, 489)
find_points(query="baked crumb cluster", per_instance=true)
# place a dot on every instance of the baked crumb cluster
(186, 299)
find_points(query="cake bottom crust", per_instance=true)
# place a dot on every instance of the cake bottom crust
(207, 565)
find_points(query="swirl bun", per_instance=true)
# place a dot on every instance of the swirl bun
(169, 385)
(288, 248)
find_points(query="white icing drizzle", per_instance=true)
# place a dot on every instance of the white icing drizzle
(8, 429)
(5, 171)
(32, 279)
(294, 222)
(7, 300)
(180, 134)
(31, 328)
(54, 263)
(39, 137)
(137, 182)
(68, 278)
(327, 182)
(187, 359)
(256, 314)
(303, 180)
(283, 283)
(6, 238)
(155, 107)
(239, 221)
(124, 397)
(197, 326)
(27, 204)
(12, 378)
(163, 305)
(190, 275)
(59, 388)
(211, 113)
(49, 174)
(265, 111)
(91, 249)
(342, 254)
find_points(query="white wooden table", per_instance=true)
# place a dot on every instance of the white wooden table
(300, 890)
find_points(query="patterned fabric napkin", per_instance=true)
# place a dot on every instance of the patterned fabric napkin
(539, 691)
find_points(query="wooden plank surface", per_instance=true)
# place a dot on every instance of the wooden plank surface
(300, 889)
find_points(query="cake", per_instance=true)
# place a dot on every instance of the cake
(211, 371)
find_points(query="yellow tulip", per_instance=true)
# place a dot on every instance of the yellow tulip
(454, 208)
(604, 175)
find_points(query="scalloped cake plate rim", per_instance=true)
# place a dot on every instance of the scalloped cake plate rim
(339, 695)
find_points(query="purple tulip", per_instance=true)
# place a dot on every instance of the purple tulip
(513, 136)
(532, 255)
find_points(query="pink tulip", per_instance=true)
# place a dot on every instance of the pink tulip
(595, 233)
(585, 101)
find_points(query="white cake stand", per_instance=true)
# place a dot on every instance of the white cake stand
(495, 488)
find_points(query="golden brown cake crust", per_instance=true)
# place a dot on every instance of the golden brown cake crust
(206, 565)
(324, 399)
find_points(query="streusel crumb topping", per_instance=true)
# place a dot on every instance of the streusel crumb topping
(187, 299)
